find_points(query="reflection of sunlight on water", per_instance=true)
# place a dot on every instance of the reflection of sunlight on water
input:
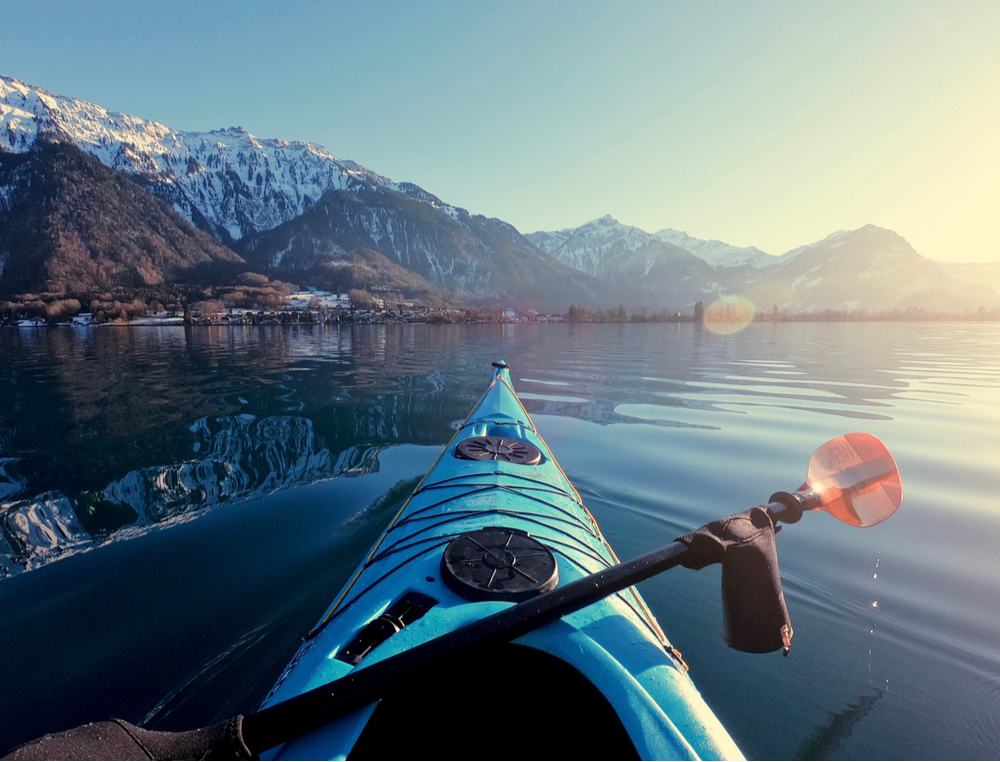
(724, 317)
(547, 383)
(551, 397)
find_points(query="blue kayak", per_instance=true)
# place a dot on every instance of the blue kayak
(493, 523)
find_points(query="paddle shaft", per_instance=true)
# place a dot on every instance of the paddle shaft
(279, 723)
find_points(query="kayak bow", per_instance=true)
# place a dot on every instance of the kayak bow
(493, 523)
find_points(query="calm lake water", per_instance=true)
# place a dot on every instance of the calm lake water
(179, 506)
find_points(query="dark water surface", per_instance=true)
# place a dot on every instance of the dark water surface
(179, 506)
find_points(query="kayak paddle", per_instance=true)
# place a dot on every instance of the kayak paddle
(852, 477)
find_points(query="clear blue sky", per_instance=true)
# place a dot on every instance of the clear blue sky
(766, 124)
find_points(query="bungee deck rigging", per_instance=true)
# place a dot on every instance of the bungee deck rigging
(565, 522)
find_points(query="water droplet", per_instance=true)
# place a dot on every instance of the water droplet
(875, 604)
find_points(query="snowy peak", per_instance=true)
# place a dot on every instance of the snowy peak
(718, 253)
(228, 180)
(599, 247)
(647, 270)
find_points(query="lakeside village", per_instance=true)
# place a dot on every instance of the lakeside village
(316, 307)
(307, 307)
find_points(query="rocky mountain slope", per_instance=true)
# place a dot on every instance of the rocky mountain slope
(365, 269)
(69, 223)
(469, 254)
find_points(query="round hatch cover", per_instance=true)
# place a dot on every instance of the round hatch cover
(496, 563)
(498, 448)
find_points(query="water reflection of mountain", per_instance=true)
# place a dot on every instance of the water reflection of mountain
(84, 407)
(236, 458)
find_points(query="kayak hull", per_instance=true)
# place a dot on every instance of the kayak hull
(614, 646)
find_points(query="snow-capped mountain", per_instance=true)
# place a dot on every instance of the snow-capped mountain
(601, 247)
(226, 181)
(644, 268)
(549, 241)
(294, 210)
(717, 253)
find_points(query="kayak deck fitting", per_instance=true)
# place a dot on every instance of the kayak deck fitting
(496, 521)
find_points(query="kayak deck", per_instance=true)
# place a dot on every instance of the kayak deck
(604, 678)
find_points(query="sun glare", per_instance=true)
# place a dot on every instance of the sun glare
(729, 316)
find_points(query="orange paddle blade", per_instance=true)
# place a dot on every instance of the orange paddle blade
(856, 479)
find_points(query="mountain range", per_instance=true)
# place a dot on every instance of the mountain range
(870, 268)
(286, 209)
(96, 200)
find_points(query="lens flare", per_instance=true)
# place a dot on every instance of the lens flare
(729, 316)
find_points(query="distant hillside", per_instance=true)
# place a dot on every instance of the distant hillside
(870, 268)
(69, 223)
(330, 268)
(976, 273)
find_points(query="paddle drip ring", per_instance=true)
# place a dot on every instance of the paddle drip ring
(496, 563)
(499, 448)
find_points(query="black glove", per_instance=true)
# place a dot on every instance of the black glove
(755, 618)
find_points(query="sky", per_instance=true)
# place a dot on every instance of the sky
(766, 124)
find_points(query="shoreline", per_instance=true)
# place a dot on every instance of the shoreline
(726, 327)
